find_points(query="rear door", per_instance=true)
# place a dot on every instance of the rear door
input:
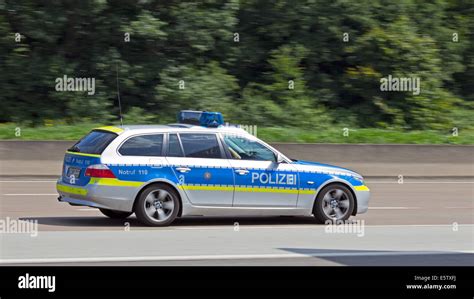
(201, 168)
(84, 153)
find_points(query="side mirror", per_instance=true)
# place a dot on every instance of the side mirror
(280, 159)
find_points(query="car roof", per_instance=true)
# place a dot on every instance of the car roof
(171, 128)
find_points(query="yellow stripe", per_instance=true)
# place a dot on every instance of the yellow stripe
(206, 188)
(265, 189)
(361, 188)
(111, 129)
(82, 154)
(114, 182)
(244, 189)
(72, 190)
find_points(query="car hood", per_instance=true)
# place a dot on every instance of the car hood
(326, 167)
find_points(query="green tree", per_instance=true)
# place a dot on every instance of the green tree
(285, 99)
(207, 87)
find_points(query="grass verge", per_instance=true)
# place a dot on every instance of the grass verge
(270, 134)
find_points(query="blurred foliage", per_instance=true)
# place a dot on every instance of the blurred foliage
(269, 63)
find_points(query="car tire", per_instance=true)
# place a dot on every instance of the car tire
(115, 214)
(157, 205)
(334, 203)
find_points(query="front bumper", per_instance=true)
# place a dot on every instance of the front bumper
(120, 198)
(363, 197)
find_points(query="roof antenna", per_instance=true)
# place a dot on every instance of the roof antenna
(118, 96)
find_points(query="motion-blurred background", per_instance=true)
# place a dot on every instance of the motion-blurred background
(305, 71)
(302, 72)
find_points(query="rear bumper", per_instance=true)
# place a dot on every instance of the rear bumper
(120, 198)
(363, 198)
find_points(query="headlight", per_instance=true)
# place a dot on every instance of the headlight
(359, 178)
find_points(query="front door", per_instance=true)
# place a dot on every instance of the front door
(259, 180)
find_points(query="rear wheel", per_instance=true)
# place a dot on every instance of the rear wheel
(157, 205)
(334, 203)
(115, 214)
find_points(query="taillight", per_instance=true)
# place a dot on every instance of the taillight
(99, 171)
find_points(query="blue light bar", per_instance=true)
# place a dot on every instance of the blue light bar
(201, 118)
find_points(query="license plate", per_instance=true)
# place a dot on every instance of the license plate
(73, 171)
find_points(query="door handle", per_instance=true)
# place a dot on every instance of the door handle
(183, 169)
(241, 171)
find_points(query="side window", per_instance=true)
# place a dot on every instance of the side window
(242, 148)
(197, 145)
(144, 145)
(174, 148)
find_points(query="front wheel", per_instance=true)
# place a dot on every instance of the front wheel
(333, 203)
(115, 214)
(157, 205)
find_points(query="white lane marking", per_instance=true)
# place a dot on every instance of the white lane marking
(419, 225)
(277, 226)
(222, 257)
(26, 181)
(244, 227)
(408, 182)
(95, 210)
(301, 226)
(460, 207)
(393, 208)
(30, 194)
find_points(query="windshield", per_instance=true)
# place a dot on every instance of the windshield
(93, 143)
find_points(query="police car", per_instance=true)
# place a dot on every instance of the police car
(199, 167)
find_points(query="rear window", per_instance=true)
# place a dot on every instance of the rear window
(93, 143)
(145, 145)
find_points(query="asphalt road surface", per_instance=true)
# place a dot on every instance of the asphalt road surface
(419, 222)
